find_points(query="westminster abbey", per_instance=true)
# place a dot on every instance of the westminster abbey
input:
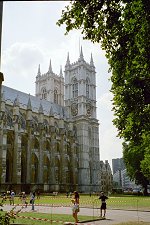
(50, 141)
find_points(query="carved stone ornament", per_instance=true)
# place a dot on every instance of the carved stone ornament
(89, 109)
(74, 109)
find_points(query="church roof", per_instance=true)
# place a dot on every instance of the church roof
(11, 94)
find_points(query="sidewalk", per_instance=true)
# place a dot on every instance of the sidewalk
(112, 216)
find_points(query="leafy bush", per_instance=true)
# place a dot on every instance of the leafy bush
(7, 218)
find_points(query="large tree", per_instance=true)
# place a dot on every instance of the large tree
(122, 27)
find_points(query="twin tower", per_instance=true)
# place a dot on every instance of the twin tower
(76, 93)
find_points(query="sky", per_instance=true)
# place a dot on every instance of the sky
(31, 37)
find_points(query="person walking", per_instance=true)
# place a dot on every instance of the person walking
(4, 197)
(12, 196)
(24, 202)
(32, 199)
(103, 199)
(75, 208)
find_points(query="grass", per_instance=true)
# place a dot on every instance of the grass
(45, 218)
(124, 202)
(129, 202)
(60, 219)
(121, 202)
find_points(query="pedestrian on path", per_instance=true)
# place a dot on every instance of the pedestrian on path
(32, 199)
(38, 194)
(24, 197)
(103, 199)
(4, 197)
(75, 208)
(12, 197)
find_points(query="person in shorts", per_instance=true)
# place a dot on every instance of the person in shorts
(103, 199)
(24, 202)
(12, 197)
(75, 207)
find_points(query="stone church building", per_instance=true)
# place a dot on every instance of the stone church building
(50, 141)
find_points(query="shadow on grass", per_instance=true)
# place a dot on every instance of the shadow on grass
(85, 221)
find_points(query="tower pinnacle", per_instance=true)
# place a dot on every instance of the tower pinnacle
(61, 74)
(68, 60)
(81, 55)
(50, 67)
(39, 71)
(29, 107)
(91, 61)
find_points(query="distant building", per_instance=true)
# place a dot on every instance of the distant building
(117, 164)
(126, 181)
(106, 179)
(120, 176)
(117, 179)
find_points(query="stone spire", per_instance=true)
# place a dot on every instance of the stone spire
(81, 55)
(62, 113)
(39, 72)
(3, 102)
(61, 74)
(41, 114)
(16, 101)
(3, 96)
(61, 121)
(68, 60)
(91, 61)
(41, 108)
(29, 107)
(50, 67)
(51, 113)
(16, 108)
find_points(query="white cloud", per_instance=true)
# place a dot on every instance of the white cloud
(23, 54)
(18, 63)
(110, 144)
(31, 37)
(105, 100)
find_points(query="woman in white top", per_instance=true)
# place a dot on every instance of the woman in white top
(75, 208)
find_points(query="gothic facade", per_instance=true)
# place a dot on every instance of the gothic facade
(50, 141)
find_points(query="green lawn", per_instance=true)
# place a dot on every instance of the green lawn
(122, 202)
(45, 218)
(129, 202)
(58, 219)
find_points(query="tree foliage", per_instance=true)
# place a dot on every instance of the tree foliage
(122, 27)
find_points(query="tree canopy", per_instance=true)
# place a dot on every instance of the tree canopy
(122, 27)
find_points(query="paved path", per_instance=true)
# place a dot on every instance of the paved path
(112, 216)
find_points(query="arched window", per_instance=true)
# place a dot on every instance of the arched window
(87, 88)
(35, 166)
(44, 93)
(55, 96)
(75, 88)
(56, 128)
(36, 143)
